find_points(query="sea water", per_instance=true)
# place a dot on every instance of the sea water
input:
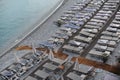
(18, 16)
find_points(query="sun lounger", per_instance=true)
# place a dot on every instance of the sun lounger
(83, 68)
(30, 78)
(68, 29)
(42, 74)
(98, 20)
(112, 44)
(47, 44)
(110, 49)
(105, 12)
(94, 31)
(71, 26)
(115, 39)
(60, 36)
(96, 53)
(7, 74)
(92, 27)
(68, 48)
(102, 42)
(100, 47)
(50, 66)
(95, 23)
(87, 34)
(73, 76)
(69, 12)
(115, 24)
(101, 17)
(112, 29)
(74, 43)
(106, 37)
(107, 33)
(83, 39)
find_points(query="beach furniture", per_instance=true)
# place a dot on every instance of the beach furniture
(30, 78)
(112, 44)
(100, 47)
(111, 77)
(60, 36)
(83, 69)
(110, 49)
(98, 20)
(95, 53)
(101, 17)
(73, 76)
(68, 48)
(64, 33)
(15, 67)
(95, 23)
(32, 59)
(92, 27)
(107, 33)
(3, 77)
(73, 49)
(68, 29)
(77, 43)
(83, 39)
(57, 41)
(57, 60)
(115, 24)
(106, 37)
(87, 34)
(74, 43)
(103, 14)
(41, 74)
(50, 66)
(111, 29)
(69, 12)
(7, 74)
(102, 42)
(47, 44)
(70, 25)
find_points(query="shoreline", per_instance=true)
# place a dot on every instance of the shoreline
(18, 41)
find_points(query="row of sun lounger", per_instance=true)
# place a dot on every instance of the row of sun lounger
(108, 39)
(70, 28)
(51, 70)
(16, 70)
(90, 30)
(55, 70)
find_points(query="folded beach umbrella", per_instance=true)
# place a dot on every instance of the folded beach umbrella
(76, 66)
(33, 48)
(51, 55)
(18, 60)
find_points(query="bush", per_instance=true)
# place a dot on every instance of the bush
(104, 57)
(58, 23)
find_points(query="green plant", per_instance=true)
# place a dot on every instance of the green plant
(104, 57)
(58, 23)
